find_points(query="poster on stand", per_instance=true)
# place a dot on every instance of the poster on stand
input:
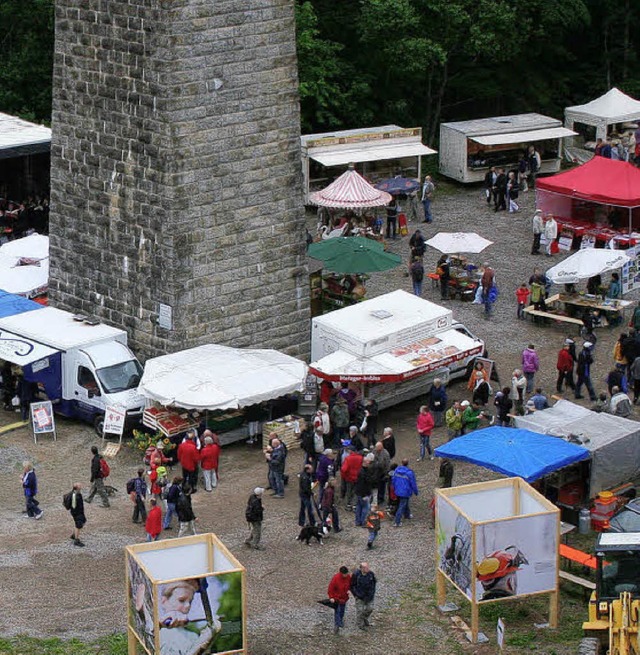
(140, 601)
(516, 557)
(42, 420)
(114, 418)
(453, 538)
(201, 613)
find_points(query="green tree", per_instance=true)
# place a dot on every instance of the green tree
(26, 62)
(328, 92)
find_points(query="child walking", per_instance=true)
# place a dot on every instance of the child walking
(522, 296)
(372, 524)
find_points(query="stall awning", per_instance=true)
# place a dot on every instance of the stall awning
(218, 377)
(523, 137)
(19, 137)
(512, 451)
(600, 180)
(401, 363)
(21, 351)
(367, 152)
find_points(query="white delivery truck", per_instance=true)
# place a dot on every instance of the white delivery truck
(81, 365)
(394, 345)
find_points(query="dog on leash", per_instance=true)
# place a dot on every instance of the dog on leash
(310, 532)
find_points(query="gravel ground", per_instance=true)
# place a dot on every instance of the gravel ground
(48, 587)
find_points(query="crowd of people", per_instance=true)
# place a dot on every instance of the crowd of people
(18, 219)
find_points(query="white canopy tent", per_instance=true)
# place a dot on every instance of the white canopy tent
(586, 263)
(19, 137)
(24, 266)
(610, 108)
(212, 377)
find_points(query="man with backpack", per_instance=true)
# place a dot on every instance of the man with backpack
(137, 490)
(99, 472)
(74, 504)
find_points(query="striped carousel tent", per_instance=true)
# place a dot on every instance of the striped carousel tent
(350, 191)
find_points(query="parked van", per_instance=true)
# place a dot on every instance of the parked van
(81, 365)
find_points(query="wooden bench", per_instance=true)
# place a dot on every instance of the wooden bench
(569, 577)
(578, 556)
(554, 317)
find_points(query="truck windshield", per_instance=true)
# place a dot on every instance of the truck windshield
(120, 377)
(620, 572)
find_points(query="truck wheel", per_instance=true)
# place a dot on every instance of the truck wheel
(98, 425)
(589, 646)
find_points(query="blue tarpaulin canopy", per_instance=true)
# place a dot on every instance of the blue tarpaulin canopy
(514, 452)
(11, 304)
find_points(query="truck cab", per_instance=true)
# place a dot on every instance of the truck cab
(105, 374)
(614, 606)
(81, 365)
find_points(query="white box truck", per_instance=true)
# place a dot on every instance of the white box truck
(394, 345)
(81, 365)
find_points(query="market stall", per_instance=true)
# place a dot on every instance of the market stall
(613, 444)
(464, 275)
(215, 384)
(346, 260)
(609, 109)
(597, 205)
(468, 149)
(378, 152)
(391, 346)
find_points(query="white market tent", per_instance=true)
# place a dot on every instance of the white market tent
(212, 377)
(19, 137)
(613, 441)
(610, 108)
(25, 279)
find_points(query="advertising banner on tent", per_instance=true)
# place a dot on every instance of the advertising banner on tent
(42, 421)
(114, 418)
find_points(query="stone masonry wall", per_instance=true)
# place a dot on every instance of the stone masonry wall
(176, 171)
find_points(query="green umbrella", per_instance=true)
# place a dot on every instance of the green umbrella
(360, 260)
(330, 248)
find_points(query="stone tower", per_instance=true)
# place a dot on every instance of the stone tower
(176, 200)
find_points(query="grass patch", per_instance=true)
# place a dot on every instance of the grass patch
(115, 644)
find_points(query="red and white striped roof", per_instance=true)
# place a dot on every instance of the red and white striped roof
(350, 191)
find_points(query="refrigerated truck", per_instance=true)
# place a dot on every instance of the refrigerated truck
(81, 365)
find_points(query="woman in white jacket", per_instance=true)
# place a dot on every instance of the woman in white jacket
(550, 232)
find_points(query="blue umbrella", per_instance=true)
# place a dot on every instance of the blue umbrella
(398, 185)
(514, 452)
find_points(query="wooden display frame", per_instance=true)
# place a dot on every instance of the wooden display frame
(517, 486)
(134, 557)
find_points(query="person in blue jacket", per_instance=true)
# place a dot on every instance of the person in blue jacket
(404, 486)
(30, 488)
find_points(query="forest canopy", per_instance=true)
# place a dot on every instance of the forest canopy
(410, 62)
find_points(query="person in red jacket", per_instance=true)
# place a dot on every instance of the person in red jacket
(424, 425)
(522, 296)
(209, 457)
(189, 456)
(349, 472)
(565, 369)
(338, 593)
(153, 524)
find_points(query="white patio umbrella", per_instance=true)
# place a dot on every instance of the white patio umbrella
(450, 243)
(585, 264)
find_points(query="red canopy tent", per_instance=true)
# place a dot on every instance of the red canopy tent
(581, 192)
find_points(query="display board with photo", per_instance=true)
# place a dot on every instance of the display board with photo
(453, 535)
